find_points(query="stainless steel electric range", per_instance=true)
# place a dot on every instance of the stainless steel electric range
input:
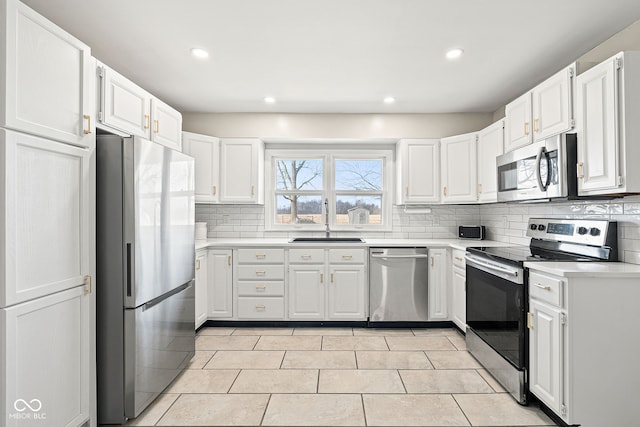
(497, 290)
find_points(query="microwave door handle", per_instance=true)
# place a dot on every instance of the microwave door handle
(543, 151)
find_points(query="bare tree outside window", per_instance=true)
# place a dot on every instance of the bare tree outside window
(299, 191)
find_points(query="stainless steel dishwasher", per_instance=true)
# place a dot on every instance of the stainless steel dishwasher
(398, 285)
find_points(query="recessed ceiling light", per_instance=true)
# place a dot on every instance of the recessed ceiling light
(454, 53)
(199, 53)
(269, 99)
(389, 100)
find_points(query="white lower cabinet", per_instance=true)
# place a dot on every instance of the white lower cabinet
(306, 292)
(202, 285)
(581, 365)
(45, 360)
(220, 289)
(259, 283)
(329, 286)
(458, 290)
(438, 284)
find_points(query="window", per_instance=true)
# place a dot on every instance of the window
(356, 183)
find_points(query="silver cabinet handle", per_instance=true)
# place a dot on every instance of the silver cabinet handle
(538, 285)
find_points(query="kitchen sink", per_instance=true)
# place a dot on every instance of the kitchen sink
(326, 239)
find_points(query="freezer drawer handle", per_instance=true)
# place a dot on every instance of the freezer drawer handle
(168, 295)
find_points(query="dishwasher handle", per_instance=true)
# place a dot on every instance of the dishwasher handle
(374, 255)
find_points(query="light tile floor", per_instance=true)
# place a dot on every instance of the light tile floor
(335, 377)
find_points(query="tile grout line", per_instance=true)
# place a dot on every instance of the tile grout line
(461, 410)
(265, 409)
(364, 411)
(234, 381)
(284, 354)
(165, 412)
(402, 381)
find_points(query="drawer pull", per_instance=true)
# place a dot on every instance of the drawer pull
(260, 307)
(260, 287)
(261, 256)
(529, 323)
(229, 260)
(88, 119)
(331, 277)
(306, 257)
(261, 273)
(146, 121)
(197, 264)
(321, 277)
(538, 285)
(347, 256)
(459, 259)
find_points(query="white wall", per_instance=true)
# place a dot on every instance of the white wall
(277, 125)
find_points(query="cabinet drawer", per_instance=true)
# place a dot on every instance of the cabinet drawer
(458, 258)
(355, 256)
(261, 272)
(250, 289)
(305, 256)
(260, 256)
(260, 308)
(545, 288)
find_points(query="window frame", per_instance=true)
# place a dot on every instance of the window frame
(328, 157)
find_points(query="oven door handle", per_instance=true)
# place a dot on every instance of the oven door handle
(488, 266)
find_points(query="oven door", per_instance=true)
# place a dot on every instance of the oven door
(532, 172)
(496, 307)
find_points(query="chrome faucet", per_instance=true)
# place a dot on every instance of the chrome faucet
(327, 232)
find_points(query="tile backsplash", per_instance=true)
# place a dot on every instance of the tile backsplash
(505, 222)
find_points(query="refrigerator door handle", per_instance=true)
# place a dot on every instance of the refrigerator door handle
(163, 297)
(129, 269)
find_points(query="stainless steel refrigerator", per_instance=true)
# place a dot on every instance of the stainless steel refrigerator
(145, 270)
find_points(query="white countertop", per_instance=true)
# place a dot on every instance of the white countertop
(586, 269)
(452, 243)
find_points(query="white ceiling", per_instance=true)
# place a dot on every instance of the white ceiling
(339, 56)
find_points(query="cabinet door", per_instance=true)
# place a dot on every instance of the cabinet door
(124, 105)
(458, 297)
(202, 284)
(206, 152)
(518, 123)
(459, 169)
(545, 354)
(490, 146)
(438, 284)
(552, 105)
(220, 289)
(47, 78)
(239, 170)
(306, 292)
(418, 171)
(597, 128)
(47, 214)
(166, 125)
(346, 292)
(45, 360)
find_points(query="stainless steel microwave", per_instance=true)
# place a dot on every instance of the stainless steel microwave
(540, 171)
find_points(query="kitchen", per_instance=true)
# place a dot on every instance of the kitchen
(246, 222)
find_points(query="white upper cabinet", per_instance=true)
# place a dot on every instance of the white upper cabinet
(126, 107)
(241, 170)
(490, 146)
(47, 213)
(123, 105)
(545, 111)
(459, 169)
(553, 104)
(607, 125)
(518, 122)
(166, 125)
(206, 152)
(46, 78)
(418, 171)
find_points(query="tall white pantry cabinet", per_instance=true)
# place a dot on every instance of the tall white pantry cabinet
(47, 220)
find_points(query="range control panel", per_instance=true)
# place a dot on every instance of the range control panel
(583, 231)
